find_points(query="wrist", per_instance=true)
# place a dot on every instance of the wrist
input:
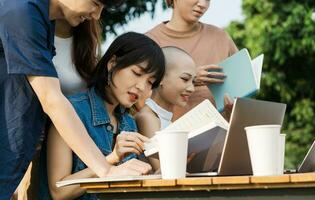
(112, 158)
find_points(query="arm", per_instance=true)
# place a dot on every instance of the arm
(59, 167)
(67, 123)
(73, 132)
(59, 164)
(148, 124)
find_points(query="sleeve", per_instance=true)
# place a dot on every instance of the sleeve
(232, 47)
(25, 35)
(152, 36)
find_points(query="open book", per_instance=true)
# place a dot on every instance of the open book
(207, 129)
(243, 77)
(107, 179)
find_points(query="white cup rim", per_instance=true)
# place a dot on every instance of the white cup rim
(263, 126)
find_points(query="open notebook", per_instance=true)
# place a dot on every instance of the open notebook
(107, 179)
(207, 129)
(243, 77)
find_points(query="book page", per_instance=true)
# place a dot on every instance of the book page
(201, 115)
(257, 68)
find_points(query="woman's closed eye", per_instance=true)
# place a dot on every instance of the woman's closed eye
(185, 79)
(136, 73)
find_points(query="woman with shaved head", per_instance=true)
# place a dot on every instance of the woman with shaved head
(207, 44)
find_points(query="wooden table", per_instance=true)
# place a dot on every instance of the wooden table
(289, 186)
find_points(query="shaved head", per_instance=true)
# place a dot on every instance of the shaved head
(176, 58)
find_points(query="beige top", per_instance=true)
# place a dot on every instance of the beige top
(206, 44)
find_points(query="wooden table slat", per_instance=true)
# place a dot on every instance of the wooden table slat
(228, 180)
(302, 177)
(194, 181)
(270, 179)
(124, 184)
(94, 185)
(158, 183)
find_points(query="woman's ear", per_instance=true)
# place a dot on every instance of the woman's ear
(161, 84)
(111, 63)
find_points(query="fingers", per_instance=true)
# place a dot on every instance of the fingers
(211, 68)
(138, 166)
(228, 102)
(217, 75)
(132, 167)
(209, 74)
(129, 149)
(207, 80)
(136, 138)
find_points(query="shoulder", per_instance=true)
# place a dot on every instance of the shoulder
(221, 36)
(155, 33)
(147, 121)
(146, 115)
(214, 30)
(15, 10)
(155, 29)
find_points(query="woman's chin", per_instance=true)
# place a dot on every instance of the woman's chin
(181, 103)
(127, 104)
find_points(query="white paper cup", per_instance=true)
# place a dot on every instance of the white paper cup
(281, 153)
(263, 144)
(173, 147)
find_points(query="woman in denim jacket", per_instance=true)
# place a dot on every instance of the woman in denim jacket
(132, 66)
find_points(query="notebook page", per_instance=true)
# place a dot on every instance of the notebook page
(203, 114)
(257, 64)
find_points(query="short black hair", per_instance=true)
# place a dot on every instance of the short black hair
(129, 48)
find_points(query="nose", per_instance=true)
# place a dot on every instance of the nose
(96, 14)
(203, 3)
(142, 85)
(191, 88)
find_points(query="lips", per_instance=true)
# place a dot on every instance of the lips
(185, 97)
(199, 13)
(133, 96)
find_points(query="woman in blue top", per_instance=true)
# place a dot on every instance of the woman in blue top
(131, 67)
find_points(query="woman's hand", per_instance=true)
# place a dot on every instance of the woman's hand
(132, 167)
(127, 142)
(209, 74)
(228, 106)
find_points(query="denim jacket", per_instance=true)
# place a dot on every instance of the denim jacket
(92, 112)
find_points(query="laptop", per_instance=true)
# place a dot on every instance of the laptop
(308, 163)
(234, 158)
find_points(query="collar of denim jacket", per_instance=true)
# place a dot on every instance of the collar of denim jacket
(99, 111)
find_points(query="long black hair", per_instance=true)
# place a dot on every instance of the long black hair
(129, 49)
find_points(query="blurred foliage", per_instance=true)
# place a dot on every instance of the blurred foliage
(284, 32)
(130, 10)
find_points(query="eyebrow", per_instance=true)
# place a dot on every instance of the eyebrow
(141, 67)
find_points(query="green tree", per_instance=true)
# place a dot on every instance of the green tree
(284, 32)
(130, 10)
